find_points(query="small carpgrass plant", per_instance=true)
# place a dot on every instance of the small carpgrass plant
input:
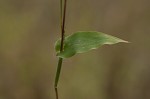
(78, 42)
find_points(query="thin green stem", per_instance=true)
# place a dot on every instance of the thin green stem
(57, 75)
(62, 23)
(58, 71)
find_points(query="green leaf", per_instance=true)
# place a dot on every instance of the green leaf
(81, 42)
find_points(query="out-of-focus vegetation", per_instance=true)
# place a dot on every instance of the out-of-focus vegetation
(29, 28)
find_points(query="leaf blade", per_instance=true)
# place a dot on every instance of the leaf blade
(83, 41)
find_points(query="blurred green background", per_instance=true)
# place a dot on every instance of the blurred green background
(29, 29)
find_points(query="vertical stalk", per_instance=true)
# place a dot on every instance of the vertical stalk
(61, 10)
(62, 25)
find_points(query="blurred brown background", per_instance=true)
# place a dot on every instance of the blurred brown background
(29, 28)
